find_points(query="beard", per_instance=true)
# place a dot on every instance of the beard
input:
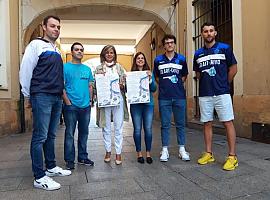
(209, 39)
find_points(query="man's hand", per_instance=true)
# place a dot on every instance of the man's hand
(27, 103)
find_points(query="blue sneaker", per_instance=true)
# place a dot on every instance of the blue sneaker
(87, 162)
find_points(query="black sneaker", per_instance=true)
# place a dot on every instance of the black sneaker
(70, 165)
(87, 162)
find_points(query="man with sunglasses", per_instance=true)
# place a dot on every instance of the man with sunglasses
(77, 100)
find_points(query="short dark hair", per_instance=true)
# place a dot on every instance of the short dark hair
(207, 24)
(134, 65)
(46, 19)
(105, 50)
(168, 36)
(75, 43)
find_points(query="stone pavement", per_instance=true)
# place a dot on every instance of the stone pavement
(174, 179)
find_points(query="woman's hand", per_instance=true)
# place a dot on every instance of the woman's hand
(149, 73)
(122, 82)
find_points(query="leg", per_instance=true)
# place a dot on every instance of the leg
(231, 137)
(223, 105)
(70, 117)
(136, 115)
(207, 110)
(107, 130)
(208, 134)
(165, 110)
(41, 108)
(207, 156)
(49, 145)
(231, 162)
(148, 113)
(118, 120)
(83, 124)
(179, 113)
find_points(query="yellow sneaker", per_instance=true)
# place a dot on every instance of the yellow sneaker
(206, 158)
(231, 163)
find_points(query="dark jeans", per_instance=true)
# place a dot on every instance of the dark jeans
(72, 115)
(178, 108)
(142, 114)
(46, 110)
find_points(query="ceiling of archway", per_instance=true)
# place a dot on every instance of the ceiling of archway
(102, 32)
(97, 22)
(102, 29)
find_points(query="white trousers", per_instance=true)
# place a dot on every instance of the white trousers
(118, 120)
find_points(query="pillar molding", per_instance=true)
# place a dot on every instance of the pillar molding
(238, 46)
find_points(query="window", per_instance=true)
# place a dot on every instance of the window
(220, 13)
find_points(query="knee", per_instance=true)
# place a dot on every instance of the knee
(69, 135)
(208, 124)
(136, 133)
(148, 130)
(41, 139)
(51, 136)
(165, 126)
(228, 124)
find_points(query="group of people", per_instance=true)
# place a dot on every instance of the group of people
(47, 83)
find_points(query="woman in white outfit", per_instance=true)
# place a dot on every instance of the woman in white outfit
(118, 113)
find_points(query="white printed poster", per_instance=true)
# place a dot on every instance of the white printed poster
(108, 90)
(137, 87)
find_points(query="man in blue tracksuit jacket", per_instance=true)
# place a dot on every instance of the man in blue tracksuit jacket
(41, 79)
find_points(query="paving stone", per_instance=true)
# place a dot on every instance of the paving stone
(173, 183)
(9, 183)
(104, 189)
(15, 164)
(237, 186)
(34, 194)
(195, 176)
(15, 172)
(113, 174)
(147, 183)
(156, 169)
(215, 171)
(197, 194)
(259, 163)
(258, 196)
(153, 195)
(11, 155)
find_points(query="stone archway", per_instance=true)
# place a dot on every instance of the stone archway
(34, 12)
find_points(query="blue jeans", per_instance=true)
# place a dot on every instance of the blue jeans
(46, 110)
(72, 115)
(178, 108)
(142, 114)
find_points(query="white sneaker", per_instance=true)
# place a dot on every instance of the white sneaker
(164, 155)
(46, 183)
(57, 171)
(184, 155)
